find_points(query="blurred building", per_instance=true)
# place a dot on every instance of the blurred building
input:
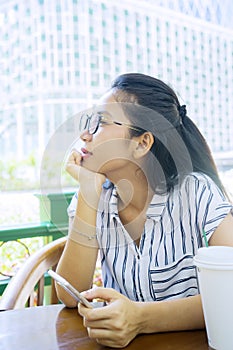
(58, 56)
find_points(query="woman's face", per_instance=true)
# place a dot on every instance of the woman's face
(110, 149)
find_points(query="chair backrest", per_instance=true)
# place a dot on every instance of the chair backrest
(20, 291)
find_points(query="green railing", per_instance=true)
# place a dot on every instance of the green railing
(53, 223)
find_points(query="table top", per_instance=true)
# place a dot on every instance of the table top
(56, 327)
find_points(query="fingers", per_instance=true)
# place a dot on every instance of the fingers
(106, 332)
(73, 163)
(107, 294)
(108, 338)
(74, 158)
(75, 168)
(112, 325)
(101, 313)
(114, 302)
(92, 315)
(105, 337)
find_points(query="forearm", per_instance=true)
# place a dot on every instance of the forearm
(173, 315)
(78, 261)
(82, 229)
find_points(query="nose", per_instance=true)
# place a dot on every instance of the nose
(86, 136)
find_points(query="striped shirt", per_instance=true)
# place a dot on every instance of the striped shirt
(161, 266)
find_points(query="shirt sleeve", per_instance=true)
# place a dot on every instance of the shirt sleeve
(72, 207)
(211, 205)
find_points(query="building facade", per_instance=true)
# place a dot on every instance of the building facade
(58, 56)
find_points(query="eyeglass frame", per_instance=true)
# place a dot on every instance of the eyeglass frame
(105, 121)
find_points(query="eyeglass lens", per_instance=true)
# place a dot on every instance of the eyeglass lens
(89, 122)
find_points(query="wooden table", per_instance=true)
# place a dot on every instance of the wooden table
(56, 327)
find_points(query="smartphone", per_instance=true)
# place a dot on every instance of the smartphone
(70, 289)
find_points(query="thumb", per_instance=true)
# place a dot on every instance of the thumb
(106, 294)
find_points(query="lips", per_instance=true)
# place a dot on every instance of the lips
(85, 153)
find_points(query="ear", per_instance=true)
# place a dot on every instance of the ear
(144, 143)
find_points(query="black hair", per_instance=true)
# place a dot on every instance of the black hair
(167, 120)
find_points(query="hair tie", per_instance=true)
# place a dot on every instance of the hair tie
(182, 113)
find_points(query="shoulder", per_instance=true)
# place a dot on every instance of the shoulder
(199, 182)
(196, 190)
(201, 190)
(198, 177)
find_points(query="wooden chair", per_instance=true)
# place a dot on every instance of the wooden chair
(20, 291)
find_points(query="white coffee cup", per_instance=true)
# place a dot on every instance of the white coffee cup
(215, 277)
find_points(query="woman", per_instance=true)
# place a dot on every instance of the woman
(149, 197)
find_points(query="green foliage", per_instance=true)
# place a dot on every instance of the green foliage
(18, 175)
(14, 253)
(25, 174)
(18, 208)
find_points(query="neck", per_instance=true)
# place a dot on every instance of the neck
(133, 189)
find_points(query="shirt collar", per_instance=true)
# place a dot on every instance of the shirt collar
(155, 208)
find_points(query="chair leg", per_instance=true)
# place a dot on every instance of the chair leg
(53, 297)
(40, 292)
(31, 300)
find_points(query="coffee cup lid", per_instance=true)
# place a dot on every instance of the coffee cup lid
(215, 256)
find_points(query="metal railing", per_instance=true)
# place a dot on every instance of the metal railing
(53, 223)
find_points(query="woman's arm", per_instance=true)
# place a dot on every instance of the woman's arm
(223, 235)
(77, 263)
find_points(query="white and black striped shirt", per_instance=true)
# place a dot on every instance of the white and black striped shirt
(161, 267)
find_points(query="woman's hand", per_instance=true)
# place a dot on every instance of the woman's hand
(78, 172)
(114, 325)
(90, 183)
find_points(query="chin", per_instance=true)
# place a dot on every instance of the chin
(90, 166)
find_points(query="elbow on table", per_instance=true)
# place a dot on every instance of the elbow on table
(65, 298)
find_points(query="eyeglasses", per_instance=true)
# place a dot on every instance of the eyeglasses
(91, 123)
